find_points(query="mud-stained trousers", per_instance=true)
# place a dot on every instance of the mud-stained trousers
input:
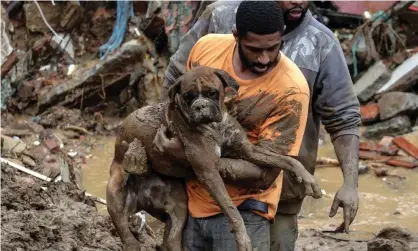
(284, 232)
(213, 233)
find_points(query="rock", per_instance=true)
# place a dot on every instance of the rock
(403, 77)
(28, 161)
(394, 103)
(395, 233)
(395, 126)
(375, 77)
(6, 45)
(11, 145)
(386, 245)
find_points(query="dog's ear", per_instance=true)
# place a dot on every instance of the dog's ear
(231, 87)
(174, 89)
(230, 84)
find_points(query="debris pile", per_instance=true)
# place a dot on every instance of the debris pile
(381, 53)
(56, 216)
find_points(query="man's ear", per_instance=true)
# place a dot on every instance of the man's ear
(229, 83)
(174, 89)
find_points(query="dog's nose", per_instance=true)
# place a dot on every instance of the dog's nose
(200, 106)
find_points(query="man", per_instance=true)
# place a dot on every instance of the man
(318, 54)
(272, 106)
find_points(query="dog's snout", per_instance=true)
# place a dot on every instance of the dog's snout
(200, 106)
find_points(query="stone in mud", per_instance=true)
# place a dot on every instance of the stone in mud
(394, 103)
(11, 145)
(387, 245)
(395, 126)
(28, 161)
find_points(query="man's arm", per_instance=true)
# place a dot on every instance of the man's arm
(340, 113)
(177, 65)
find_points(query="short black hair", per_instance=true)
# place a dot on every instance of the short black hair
(259, 17)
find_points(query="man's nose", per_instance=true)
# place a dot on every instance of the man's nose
(264, 58)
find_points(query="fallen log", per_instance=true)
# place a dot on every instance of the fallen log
(45, 178)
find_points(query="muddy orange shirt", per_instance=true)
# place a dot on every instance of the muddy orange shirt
(272, 109)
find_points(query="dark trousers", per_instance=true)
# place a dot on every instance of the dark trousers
(213, 233)
(284, 232)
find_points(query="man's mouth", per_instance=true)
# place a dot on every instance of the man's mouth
(295, 14)
(261, 68)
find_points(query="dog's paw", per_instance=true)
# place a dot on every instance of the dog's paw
(135, 158)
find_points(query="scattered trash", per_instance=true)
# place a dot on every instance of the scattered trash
(72, 153)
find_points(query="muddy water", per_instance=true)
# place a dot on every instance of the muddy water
(381, 204)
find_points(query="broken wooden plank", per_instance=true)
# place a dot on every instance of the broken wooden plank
(367, 155)
(407, 146)
(401, 163)
(372, 146)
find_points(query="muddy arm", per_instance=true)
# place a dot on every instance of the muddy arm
(265, 158)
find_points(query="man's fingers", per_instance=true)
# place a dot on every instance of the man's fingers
(334, 207)
(347, 218)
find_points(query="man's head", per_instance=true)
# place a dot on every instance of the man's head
(293, 11)
(259, 27)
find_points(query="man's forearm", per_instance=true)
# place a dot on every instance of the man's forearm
(347, 151)
(245, 174)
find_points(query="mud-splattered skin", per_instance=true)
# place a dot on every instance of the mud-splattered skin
(197, 115)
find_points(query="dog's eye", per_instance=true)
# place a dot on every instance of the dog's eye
(189, 96)
(213, 94)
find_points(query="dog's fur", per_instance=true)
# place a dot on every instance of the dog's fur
(196, 114)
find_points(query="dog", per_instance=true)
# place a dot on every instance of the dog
(140, 175)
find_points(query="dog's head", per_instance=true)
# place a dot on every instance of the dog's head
(200, 94)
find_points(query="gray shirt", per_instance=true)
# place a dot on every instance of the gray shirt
(318, 54)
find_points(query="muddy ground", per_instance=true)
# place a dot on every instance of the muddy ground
(53, 216)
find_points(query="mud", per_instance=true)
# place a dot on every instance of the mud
(389, 239)
(53, 216)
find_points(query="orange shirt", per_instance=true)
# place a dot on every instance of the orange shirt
(272, 109)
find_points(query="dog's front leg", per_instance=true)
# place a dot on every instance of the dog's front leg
(118, 208)
(204, 159)
(263, 157)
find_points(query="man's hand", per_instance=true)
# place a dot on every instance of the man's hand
(170, 146)
(347, 198)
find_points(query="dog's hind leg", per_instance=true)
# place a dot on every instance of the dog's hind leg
(177, 211)
(120, 207)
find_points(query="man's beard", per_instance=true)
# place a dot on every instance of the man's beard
(291, 24)
(250, 66)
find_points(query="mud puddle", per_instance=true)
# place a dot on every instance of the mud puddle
(381, 205)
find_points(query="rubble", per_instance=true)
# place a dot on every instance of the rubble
(403, 77)
(28, 207)
(394, 103)
(392, 127)
(375, 77)
(405, 145)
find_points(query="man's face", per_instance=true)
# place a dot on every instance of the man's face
(258, 53)
(293, 11)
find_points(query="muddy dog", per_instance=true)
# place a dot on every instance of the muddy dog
(196, 113)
